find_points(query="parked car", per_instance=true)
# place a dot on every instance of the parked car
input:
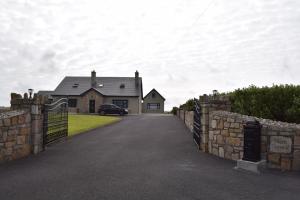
(111, 109)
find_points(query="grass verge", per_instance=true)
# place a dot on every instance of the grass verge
(81, 123)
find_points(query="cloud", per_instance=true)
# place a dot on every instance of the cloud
(233, 44)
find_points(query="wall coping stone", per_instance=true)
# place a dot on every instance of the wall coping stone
(264, 122)
(12, 113)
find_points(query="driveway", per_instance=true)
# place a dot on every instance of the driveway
(141, 157)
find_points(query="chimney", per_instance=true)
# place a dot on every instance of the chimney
(136, 78)
(93, 79)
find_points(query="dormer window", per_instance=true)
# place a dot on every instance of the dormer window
(75, 85)
(122, 86)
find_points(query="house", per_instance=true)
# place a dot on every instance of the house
(86, 94)
(153, 102)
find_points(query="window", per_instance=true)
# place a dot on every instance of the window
(72, 103)
(153, 106)
(153, 95)
(121, 103)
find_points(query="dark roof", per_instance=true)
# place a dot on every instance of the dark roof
(156, 92)
(110, 86)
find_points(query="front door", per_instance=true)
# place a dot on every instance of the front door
(92, 106)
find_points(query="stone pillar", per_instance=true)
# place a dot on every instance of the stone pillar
(34, 106)
(209, 104)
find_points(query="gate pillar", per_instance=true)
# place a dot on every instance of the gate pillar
(34, 106)
(208, 104)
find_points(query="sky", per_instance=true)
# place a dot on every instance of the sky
(183, 48)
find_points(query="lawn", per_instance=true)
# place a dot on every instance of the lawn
(81, 123)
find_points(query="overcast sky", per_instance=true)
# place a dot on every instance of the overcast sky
(183, 48)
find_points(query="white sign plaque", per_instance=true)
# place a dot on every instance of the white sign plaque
(280, 144)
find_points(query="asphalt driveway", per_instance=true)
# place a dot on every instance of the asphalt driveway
(141, 157)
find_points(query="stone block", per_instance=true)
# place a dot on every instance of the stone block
(297, 140)
(230, 119)
(264, 139)
(6, 122)
(21, 139)
(285, 133)
(1, 122)
(8, 151)
(27, 118)
(221, 152)
(14, 120)
(4, 136)
(11, 138)
(21, 119)
(226, 124)
(215, 138)
(217, 132)
(233, 141)
(228, 155)
(24, 131)
(209, 147)
(228, 149)
(238, 149)
(241, 154)
(215, 152)
(24, 151)
(235, 125)
(263, 147)
(10, 144)
(235, 156)
(220, 139)
(12, 132)
(250, 166)
(214, 124)
(221, 124)
(272, 133)
(286, 163)
(211, 135)
(274, 158)
(232, 134)
(225, 132)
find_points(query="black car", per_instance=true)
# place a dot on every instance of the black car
(111, 109)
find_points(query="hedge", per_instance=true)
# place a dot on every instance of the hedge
(279, 102)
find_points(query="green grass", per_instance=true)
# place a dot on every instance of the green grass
(81, 123)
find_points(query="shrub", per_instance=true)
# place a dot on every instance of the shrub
(279, 102)
(174, 110)
(188, 105)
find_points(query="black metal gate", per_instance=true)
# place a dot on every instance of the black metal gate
(197, 131)
(55, 121)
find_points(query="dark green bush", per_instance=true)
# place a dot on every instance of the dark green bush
(279, 102)
(188, 105)
(174, 110)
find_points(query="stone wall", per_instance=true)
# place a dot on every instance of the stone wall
(280, 142)
(21, 128)
(15, 135)
(189, 120)
(187, 117)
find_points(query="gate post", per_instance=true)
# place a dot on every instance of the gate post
(208, 104)
(34, 105)
(37, 123)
